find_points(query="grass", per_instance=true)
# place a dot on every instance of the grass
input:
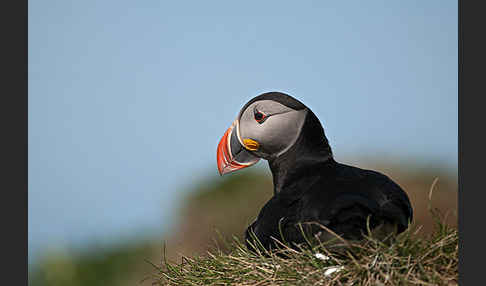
(411, 258)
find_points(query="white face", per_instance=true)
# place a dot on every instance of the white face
(274, 126)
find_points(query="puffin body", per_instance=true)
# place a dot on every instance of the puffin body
(310, 187)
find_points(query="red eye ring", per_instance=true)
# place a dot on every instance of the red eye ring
(260, 117)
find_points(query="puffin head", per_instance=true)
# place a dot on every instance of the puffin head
(266, 127)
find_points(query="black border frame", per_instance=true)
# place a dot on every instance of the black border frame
(14, 43)
(471, 142)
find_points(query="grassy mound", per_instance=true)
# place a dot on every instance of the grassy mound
(410, 259)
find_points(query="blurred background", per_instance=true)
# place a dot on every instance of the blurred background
(128, 101)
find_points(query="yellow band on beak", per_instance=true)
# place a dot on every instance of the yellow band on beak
(251, 144)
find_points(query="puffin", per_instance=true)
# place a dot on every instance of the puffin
(314, 196)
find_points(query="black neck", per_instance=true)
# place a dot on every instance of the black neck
(311, 154)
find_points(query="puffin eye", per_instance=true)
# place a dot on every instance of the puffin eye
(260, 117)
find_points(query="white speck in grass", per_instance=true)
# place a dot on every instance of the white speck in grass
(333, 269)
(321, 256)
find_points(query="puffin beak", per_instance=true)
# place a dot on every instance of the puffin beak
(231, 155)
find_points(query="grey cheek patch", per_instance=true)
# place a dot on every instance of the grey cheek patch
(278, 133)
(298, 120)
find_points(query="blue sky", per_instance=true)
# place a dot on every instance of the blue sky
(128, 99)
